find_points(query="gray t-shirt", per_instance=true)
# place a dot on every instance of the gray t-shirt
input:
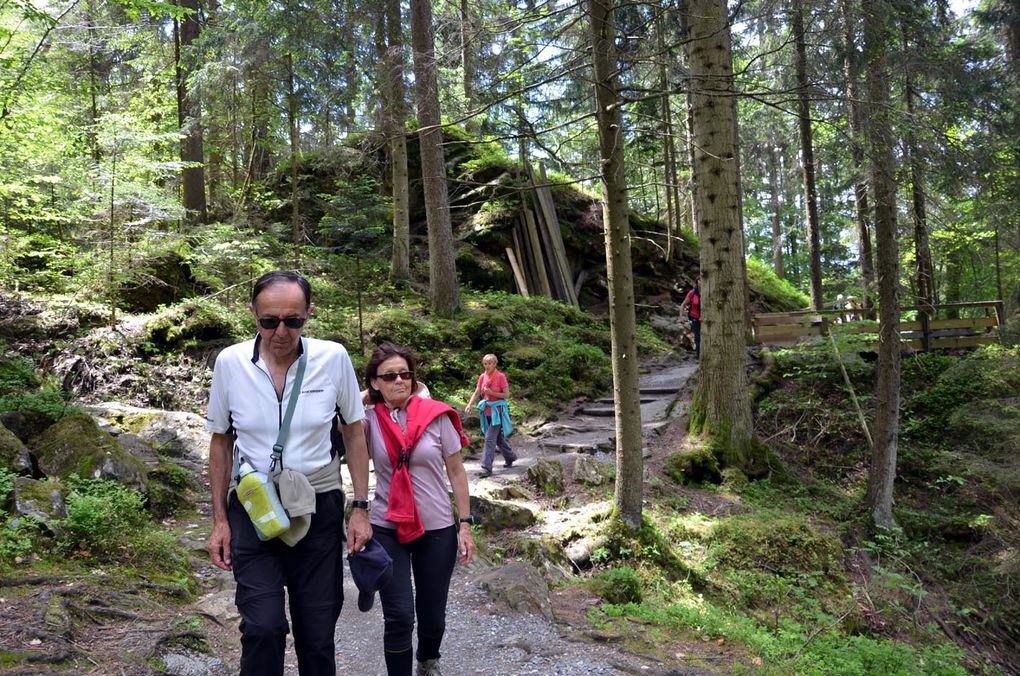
(427, 466)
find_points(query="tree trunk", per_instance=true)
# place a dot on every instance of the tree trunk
(466, 60)
(721, 408)
(777, 220)
(807, 155)
(292, 126)
(668, 147)
(443, 288)
(926, 297)
(190, 120)
(852, 74)
(616, 224)
(394, 116)
(881, 145)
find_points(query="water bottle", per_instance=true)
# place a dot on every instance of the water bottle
(257, 494)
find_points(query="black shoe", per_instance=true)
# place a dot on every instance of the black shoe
(484, 473)
(509, 463)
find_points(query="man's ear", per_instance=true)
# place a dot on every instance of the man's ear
(311, 309)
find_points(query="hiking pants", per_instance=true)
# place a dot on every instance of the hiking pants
(312, 571)
(431, 559)
(494, 440)
(696, 330)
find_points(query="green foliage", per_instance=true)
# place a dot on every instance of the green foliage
(357, 216)
(617, 585)
(6, 486)
(22, 390)
(783, 545)
(17, 539)
(102, 517)
(777, 295)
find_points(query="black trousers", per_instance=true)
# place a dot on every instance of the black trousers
(312, 571)
(431, 559)
(696, 330)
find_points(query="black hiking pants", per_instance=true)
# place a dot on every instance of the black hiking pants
(431, 559)
(312, 571)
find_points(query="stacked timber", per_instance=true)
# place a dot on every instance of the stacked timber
(538, 257)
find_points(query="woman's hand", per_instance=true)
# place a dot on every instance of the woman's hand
(465, 544)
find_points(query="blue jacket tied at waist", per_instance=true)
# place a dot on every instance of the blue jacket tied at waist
(496, 413)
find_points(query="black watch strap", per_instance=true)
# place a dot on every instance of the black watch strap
(359, 504)
(470, 518)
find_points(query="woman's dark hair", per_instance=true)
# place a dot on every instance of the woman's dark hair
(381, 354)
(281, 277)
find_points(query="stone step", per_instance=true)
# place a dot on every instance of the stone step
(610, 401)
(657, 391)
(598, 411)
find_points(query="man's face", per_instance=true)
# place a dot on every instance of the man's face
(281, 301)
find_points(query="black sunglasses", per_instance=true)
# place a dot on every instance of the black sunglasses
(390, 377)
(270, 323)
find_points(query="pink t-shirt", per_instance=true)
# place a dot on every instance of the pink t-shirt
(497, 382)
(427, 466)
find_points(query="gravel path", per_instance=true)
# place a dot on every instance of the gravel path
(482, 638)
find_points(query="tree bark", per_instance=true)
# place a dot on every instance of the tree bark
(443, 288)
(807, 158)
(721, 408)
(852, 74)
(619, 273)
(190, 120)
(466, 58)
(925, 276)
(292, 127)
(777, 219)
(881, 145)
(395, 125)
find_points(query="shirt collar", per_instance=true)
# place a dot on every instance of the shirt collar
(258, 341)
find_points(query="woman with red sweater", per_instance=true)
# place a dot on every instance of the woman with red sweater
(415, 446)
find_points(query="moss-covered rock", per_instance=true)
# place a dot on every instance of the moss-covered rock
(159, 280)
(496, 515)
(547, 475)
(76, 445)
(191, 321)
(694, 466)
(170, 489)
(13, 453)
(40, 500)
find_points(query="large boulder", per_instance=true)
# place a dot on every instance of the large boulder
(25, 424)
(13, 453)
(520, 587)
(496, 515)
(76, 445)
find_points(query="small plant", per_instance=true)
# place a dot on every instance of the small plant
(101, 515)
(617, 585)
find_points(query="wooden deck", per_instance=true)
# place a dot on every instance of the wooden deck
(953, 325)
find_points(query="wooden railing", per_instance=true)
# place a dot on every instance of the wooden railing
(944, 329)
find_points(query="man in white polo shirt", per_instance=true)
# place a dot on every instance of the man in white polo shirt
(251, 387)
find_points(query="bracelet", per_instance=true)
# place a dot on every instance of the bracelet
(469, 519)
(359, 504)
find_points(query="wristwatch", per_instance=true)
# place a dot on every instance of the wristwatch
(359, 504)
(469, 519)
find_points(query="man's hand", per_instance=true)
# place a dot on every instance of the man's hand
(359, 531)
(219, 545)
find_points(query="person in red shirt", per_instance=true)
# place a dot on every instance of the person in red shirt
(494, 390)
(692, 305)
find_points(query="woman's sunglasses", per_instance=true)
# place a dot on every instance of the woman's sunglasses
(390, 377)
(270, 323)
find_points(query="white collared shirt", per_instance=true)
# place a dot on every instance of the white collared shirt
(243, 399)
